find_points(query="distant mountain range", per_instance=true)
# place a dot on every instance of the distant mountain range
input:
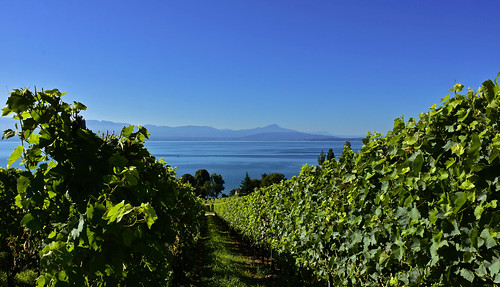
(199, 133)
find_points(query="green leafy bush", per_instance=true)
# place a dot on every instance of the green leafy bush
(99, 209)
(418, 206)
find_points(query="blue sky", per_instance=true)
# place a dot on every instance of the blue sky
(346, 67)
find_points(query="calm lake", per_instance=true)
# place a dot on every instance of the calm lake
(231, 159)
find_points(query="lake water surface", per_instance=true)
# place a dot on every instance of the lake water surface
(231, 159)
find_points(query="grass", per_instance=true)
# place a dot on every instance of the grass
(223, 260)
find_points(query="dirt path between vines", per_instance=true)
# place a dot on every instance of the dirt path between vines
(221, 259)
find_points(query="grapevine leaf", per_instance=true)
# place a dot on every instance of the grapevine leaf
(481, 271)
(75, 233)
(143, 131)
(113, 212)
(450, 162)
(488, 240)
(149, 214)
(458, 149)
(478, 211)
(131, 176)
(79, 106)
(467, 185)
(27, 218)
(467, 274)
(434, 255)
(497, 278)
(495, 266)
(449, 144)
(6, 111)
(90, 211)
(442, 175)
(414, 213)
(460, 201)
(418, 162)
(15, 155)
(23, 183)
(7, 134)
(32, 223)
(92, 238)
(40, 281)
(127, 131)
(127, 208)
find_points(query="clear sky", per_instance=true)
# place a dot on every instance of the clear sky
(346, 67)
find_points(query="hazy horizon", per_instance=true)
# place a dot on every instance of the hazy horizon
(8, 123)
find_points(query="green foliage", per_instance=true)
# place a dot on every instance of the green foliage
(216, 185)
(204, 184)
(330, 155)
(248, 185)
(4, 260)
(10, 225)
(18, 249)
(187, 178)
(270, 179)
(25, 278)
(418, 206)
(3, 279)
(101, 211)
(321, 158)
(201, 177)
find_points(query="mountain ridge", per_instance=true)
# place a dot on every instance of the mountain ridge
(272, 132)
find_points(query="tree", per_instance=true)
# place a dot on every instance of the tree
(245, 185)
(330, 155)
(202, 183)
(188, 178)
(272, 178)
(248, 185)
(321, 158)
(201, 176)
(254, 183)
(216, 185)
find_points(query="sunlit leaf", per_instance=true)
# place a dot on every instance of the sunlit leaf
(467, 274)
(15, 155)
(127, 131)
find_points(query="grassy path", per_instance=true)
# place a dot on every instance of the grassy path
(222, 260)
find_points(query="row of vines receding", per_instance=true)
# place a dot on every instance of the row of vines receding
(418, 206)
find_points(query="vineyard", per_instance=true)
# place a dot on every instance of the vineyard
(88, 210)
(418, 206)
